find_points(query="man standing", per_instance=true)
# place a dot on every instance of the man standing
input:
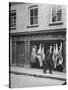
(48, 60)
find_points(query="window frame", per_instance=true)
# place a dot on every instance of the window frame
(34, 17)
(56, 22)
(12, 19)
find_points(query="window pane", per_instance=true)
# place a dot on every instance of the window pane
(54, 14)
(54, 19)
(35, 20)
(36, 11)
(59, 17)
(54, 11)
(31, 12)
(13, 14)
(31, 20)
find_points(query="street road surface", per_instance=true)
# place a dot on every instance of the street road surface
(20, 81)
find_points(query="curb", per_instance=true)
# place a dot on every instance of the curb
(35, 75)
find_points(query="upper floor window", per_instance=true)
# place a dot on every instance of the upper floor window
(34, 15)
(12, 19)
(56, 14)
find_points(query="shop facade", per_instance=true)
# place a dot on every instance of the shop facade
(22, 45)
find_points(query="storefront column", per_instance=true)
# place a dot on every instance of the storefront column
(64, 54)
(15, 52)
(27, 53)
(10, 51)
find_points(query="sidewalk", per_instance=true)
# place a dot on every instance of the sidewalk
(38, 73)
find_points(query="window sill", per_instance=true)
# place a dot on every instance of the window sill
(56, 23)
(31, 26)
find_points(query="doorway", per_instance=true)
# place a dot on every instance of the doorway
(20, 53)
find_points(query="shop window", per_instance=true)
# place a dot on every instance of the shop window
(12, 19)
(33, 15)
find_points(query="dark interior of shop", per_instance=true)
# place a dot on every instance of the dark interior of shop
(46, 44)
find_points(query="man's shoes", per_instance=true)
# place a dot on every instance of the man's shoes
(50, 72)
(44, 71)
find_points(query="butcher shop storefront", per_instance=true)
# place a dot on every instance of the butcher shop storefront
(29, 48)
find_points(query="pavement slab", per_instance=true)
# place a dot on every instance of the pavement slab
(38, 73)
